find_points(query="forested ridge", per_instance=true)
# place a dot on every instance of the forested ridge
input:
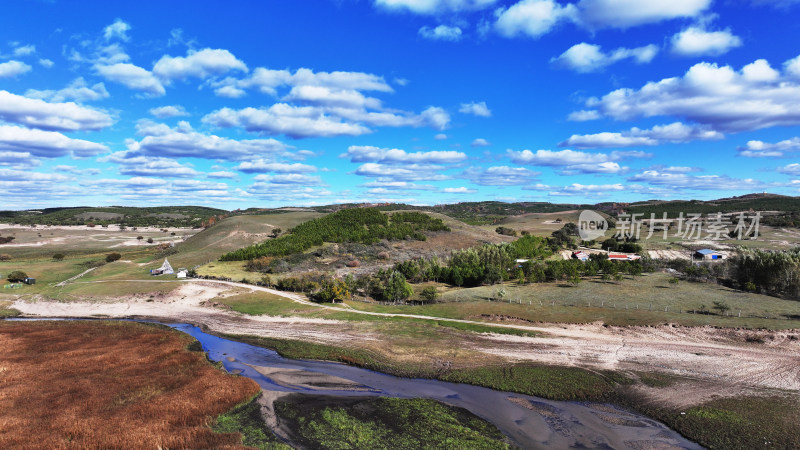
(163, 216)
(361, 225)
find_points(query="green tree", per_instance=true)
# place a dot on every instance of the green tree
(17, 276)
(397, 289)
(111, 257)
(722, 307)
(430, 294)
(276, 232)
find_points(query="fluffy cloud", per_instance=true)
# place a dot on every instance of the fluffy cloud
(585, 57)
(433, 6)
(13, 68)
(635, 137)
(51, 116)
(721, 98)
(441, 33)
(357, 153)
(222, 174)
(572, 162)
(682, 181)
(198, 64)
(48, 144)
(318, 121)
(577, 189)
(281, 118)
(790, 169)
(325, 96)
(409, 172)
(500, 176)
(629, 13)
(24, 50)
(535, 18)
(260, 166)
(480, 142)
(183, 141)
(760, 149)
(476, 109)
(291, 178)
(267, 81)
(163, 112)
(117, 30)
(459, 190)
(78, 90)
(696, 41)
(154, 167)
(132, 77)
(584, 116)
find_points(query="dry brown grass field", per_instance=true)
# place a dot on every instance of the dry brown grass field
(110, 385)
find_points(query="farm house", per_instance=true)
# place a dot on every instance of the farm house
(622, 257)
(583, 256)
(708, 254)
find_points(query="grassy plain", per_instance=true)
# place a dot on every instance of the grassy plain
(110, 385)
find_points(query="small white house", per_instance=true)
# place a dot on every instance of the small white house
(182, 273)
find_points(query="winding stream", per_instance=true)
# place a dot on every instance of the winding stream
(529, 422)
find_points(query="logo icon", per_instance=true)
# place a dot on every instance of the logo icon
(591, 225)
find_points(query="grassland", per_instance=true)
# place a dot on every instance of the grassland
(110, 385)
(640, 300)
(385, 423)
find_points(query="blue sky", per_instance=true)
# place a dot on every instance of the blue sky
(279, 103)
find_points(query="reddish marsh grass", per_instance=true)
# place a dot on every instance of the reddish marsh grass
(110, 385)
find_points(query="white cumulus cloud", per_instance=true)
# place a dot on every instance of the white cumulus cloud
(697, 41)
(585, 57)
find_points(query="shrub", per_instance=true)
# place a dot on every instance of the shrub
(58, 256)
(430, 294)
(17, 276)
(383, 255)
(149, 240)
(111, 257)
(353, 263)
(5, 257)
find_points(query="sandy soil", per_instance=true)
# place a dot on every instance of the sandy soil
(703, 353)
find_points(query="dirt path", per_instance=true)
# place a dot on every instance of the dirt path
(707, 353)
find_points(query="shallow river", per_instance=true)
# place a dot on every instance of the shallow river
(530, 422)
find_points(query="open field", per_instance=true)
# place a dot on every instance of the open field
(44, 242)
(110, 385)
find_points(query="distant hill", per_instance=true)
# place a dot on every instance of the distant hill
(159, 216)
(749, 202)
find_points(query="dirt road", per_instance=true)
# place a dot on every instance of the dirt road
(746, 358)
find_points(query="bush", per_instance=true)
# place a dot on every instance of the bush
(353, 263)
(5, 257)
(58, 256)
(149, 240)
(430, 294)
(111, 257)
(17, 276)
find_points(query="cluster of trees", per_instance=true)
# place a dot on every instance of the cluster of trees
(770, 272)
(362, 225)
(384, 285)
(628, 245)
